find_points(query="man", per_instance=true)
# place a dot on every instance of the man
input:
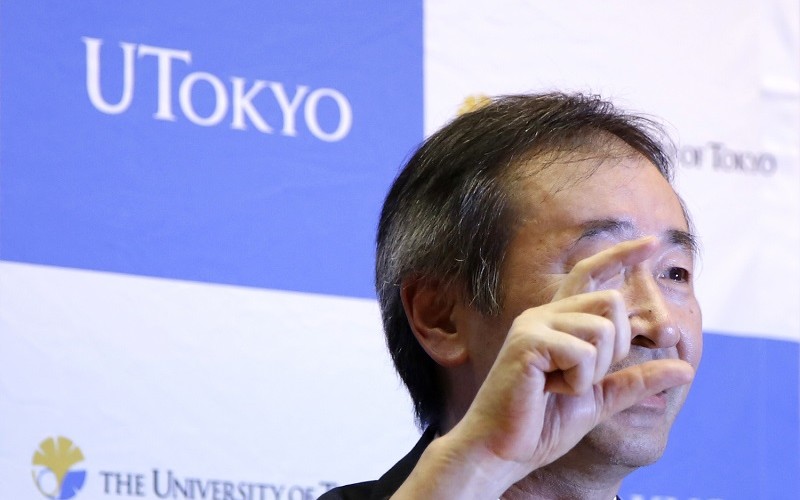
(534, 273)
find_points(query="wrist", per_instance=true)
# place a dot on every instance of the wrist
(454, 466)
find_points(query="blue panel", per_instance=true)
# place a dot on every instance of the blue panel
(737, 437)
(292, 208)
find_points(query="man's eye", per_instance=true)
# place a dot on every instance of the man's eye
(678, 274)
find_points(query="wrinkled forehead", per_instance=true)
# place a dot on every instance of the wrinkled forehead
(574, 161)
(572, 173)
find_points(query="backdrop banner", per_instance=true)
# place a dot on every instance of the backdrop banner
(188, 202)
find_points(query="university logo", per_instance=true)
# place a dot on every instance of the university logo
(53, 470)
(239, 97)
(474, 102)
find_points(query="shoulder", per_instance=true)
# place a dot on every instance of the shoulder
(388, 483)
(356, 491)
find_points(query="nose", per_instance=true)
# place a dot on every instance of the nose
(652, 323)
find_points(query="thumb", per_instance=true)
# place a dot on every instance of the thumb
(624, 388)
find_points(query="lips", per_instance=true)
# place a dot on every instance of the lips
(666, 401)
(655, 403)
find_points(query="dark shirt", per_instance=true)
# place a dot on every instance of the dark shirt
(390, 482)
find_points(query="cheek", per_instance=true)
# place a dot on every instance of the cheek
(485, 341)
(533, 292)
(690, 348)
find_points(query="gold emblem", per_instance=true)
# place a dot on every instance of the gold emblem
(473, 102)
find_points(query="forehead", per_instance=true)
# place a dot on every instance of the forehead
(567, 192)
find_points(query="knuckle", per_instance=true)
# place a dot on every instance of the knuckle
(527, 318)
(606, 328)
(615, 296)
(582, 267)
(584, 375)
(588, 355)
(613, 299)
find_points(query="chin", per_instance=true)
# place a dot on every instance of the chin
(630, 439)
(631, 451)
(637, 436)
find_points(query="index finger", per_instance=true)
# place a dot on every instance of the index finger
(590, 273)
(626, 387)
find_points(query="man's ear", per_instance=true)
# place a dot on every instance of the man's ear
(430, 306)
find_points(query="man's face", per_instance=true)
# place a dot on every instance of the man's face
(565, 221)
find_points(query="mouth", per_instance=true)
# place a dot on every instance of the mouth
(656, 406)
(653, 412)
(657, 403)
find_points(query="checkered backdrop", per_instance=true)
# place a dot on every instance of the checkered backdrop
(188, 198)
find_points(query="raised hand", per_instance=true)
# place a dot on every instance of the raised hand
(549, 386)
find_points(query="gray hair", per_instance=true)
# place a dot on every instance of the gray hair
(450, 214)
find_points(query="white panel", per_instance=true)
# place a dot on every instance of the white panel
(723, 76)
(207, 381)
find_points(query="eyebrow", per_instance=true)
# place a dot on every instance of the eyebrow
(684, 239)
(625, 229)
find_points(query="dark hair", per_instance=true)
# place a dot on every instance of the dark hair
(449, 215)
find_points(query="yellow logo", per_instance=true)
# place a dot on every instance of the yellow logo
(52, 468)
(474, 102)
